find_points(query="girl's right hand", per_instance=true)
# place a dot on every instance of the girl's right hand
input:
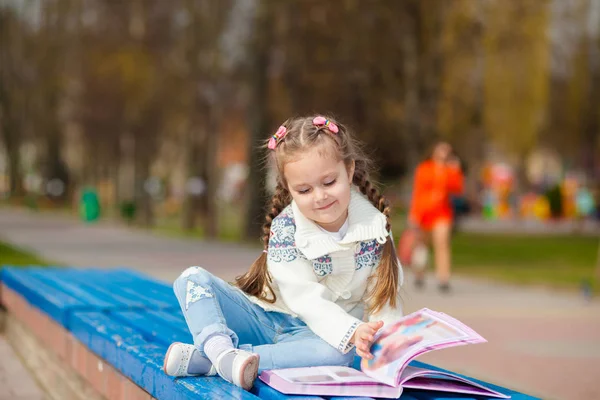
(363, 338)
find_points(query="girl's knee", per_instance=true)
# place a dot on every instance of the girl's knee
(199, 277)
(199, 274)
(334, 357)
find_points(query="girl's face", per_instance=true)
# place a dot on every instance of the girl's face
(320, 186)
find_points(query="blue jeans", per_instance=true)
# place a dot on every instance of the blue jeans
(212, 306)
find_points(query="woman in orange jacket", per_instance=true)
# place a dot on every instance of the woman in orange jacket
(431, 211)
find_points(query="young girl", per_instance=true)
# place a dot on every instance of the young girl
(328, 262)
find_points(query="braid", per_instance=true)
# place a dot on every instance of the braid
(257, 282)
(368, 189)
(281, 198)
(386, 276)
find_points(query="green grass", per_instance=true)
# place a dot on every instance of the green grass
(13, 256)
(557, 261)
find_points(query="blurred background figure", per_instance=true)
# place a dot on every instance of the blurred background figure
(436, 179)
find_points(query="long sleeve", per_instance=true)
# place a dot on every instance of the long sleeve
(416, 204)
(302, 293)
(314, 303)
(455, 180)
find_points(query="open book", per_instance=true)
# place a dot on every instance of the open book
(388, 373)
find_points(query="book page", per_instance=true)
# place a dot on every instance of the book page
(297, 382)
(324, 375)
(422, 331)
(429, 379)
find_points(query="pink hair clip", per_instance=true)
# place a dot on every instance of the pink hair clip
(280, 134)
(322, 121)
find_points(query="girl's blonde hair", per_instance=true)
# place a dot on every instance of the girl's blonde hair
(301, 135)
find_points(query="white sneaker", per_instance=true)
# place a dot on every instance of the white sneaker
(245, 368)
(178, 359)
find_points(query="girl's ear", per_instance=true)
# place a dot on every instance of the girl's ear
(351, 171)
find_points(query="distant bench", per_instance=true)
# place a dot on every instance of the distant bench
(112, 328)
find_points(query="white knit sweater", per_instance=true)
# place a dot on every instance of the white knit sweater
(323, 281)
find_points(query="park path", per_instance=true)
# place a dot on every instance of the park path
(542, 342)
(15, 381)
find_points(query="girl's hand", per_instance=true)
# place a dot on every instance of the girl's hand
(363, 338)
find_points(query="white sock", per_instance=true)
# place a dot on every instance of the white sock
(217, 344)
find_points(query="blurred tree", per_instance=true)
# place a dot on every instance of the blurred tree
(461, 107)
(205, 25)
(516, 70)
(134, 80)
(148, 21)
(591, 126)
(378, 70)
(258, 113)
(121, 121)
(51, 55)
(14, 73)
(570, 80)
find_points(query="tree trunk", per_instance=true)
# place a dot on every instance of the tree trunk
(142, 197)
(12, 144)
(190, 201)
(10, 126)
(146, 201)
(211, 216)
(116, 173)
(15, 174)
(258, 120)
(591, 125)
(56, 168)
(411, 92)
(430, 16)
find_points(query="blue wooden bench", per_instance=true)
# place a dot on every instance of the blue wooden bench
(128, 320)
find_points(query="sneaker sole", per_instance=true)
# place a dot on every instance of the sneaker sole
(249, 372)
(167, 357)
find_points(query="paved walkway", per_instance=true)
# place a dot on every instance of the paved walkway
(563, 227)
(15, 381)
(541, 342)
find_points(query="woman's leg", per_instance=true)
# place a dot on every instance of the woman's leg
(420, 257)
(300, 347)
(440, 236)
(420, 253)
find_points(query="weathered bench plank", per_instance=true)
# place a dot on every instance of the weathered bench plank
(42, 294)
(153, 328)
(128, 291)
(141, 361)
(60, 282)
